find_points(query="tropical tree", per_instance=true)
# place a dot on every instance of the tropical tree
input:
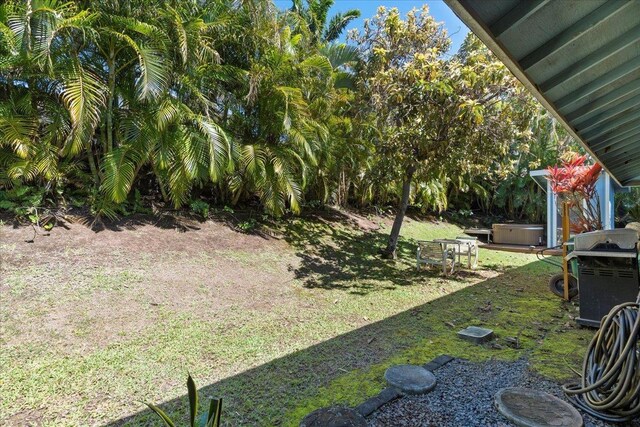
(107, 85)
(437, 117)
(512, 192)
(272, 116)
(48, 106)
(239, 102)
(315, 14)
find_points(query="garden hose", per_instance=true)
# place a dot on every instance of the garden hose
(610, 386)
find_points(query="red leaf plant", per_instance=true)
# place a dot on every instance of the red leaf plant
(574, 182)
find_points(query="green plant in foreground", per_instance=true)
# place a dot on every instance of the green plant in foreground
(206, 419)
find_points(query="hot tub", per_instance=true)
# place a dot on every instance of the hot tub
(519, 234)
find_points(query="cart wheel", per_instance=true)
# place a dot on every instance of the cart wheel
(556, 285)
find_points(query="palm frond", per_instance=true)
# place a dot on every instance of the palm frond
(340, 54)
(338, 23)
(253, 160)
(18, 132)
(317, 62)
(54, 26)
(119, 173)
(180, 184)
(181, 33)
(83, 95)
(154, 73)
(219, 147)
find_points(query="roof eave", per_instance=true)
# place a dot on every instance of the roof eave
(502, 54)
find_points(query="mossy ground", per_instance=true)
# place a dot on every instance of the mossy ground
(277, 328)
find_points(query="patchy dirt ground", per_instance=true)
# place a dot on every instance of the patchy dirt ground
(97, 288)
(278, 322)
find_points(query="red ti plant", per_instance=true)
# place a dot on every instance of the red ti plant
(574, 182)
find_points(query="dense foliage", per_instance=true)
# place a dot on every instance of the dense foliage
(104, 104)
(437, 117)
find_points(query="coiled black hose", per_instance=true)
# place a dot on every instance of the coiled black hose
(610, 386)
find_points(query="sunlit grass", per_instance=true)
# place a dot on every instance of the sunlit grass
(343, 317)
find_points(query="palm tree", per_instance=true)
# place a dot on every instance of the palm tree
(220, 94)
(315, 14)
(109, 85)
(49, 100)
(166, 119)
(277, 122)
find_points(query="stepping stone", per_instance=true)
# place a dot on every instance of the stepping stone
(532, 408)
(369, 406)
(438, 362)
(410, 379)
(334, 416)
(476, 335)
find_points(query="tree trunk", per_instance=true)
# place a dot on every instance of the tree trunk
(92, 166)
(163, 192)
(111, 64)
(390, 251)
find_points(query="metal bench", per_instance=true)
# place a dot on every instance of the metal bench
(468, 248)
(432, 253)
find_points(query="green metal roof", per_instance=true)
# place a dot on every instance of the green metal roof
(581, 59)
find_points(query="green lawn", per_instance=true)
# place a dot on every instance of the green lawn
(277, 327)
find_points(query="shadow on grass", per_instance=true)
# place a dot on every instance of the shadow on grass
(334, 257)
(283, 390)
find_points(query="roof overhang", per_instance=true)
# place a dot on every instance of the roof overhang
(581, 60)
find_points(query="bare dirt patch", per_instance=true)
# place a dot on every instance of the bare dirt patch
(94, 288)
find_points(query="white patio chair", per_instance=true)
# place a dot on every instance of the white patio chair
(468, 247)
(433, 253)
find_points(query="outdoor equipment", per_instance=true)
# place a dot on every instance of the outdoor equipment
(519, 234)
(469, 249)
(447, 253)
(556, 282)
(607, 272)
(565, 284)
(481, 233)
(433, 253)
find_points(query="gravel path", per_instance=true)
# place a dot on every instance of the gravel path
(464, 396)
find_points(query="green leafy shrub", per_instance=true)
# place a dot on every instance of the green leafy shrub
(138, 205)
(248, 225)
(211, 418)
(634, 213)
(101, 207)
(29, 204)
(20, 199)
(200, 207)
(627, 206)
(313, 204)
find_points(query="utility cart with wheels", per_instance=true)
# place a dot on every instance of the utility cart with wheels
(556, 282)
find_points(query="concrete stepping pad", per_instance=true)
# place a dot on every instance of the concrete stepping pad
(410, 379)
(476, 335)
(334, 416)
(532, 408)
